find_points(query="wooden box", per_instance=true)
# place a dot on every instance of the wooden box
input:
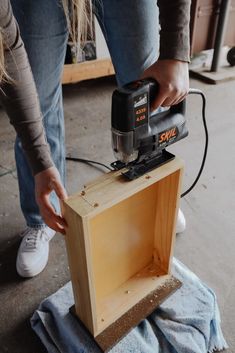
(119, 242)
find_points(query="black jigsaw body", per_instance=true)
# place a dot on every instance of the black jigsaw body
(139, 137)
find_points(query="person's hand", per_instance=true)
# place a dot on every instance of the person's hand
(46, 182)
(173, 79)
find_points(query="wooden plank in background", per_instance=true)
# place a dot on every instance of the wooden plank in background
(74, 73)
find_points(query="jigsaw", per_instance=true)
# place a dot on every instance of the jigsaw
(139, 136)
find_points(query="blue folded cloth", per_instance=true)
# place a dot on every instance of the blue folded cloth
(187, 322)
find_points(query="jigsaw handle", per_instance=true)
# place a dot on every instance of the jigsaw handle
(153, 92)
(131, 105)
(138, 132)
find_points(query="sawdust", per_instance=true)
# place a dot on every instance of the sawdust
(112, 334)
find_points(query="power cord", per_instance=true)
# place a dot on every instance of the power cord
(199, 92)
(191, 91)
(88, 161)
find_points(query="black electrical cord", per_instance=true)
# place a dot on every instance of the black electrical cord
(87, 161)
(199, 92)
(191, 91)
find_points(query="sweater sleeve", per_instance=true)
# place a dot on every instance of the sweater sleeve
(174, 18)
(19, 96)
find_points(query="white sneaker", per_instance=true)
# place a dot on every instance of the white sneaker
(33, 252)
(181, 222)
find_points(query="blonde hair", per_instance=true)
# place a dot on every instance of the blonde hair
(79, 19)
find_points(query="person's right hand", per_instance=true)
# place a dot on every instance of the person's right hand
(46, 182)
(173, 78)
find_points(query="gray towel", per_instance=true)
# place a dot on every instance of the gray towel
(187, 322)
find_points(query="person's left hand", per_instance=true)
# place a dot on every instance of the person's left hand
(173, 79)
(46, 182)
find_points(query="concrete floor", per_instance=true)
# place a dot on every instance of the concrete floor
(207, 246)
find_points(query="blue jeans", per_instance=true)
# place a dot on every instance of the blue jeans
(131, 31)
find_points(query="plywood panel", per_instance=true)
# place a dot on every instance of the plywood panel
(80, 268)
(111, 307)
(122, 240)
(168, 195)
(111, 188)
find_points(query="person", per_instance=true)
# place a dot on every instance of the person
(19, 97)
(131, 30)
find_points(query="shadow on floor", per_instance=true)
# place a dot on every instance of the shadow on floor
(19, 340)
(8, 253)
